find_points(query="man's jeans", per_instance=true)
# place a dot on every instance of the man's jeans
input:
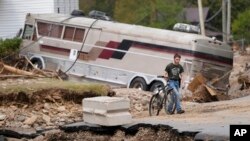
(175, 85)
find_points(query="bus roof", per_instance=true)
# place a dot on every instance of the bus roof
(122, 28)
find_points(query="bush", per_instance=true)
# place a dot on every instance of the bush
(9, 46)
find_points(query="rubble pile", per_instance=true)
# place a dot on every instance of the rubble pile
(239, 79)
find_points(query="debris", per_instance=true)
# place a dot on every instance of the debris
(2, 117)
(13, 72)
(31, 120)
(204, 90)
(61, 109)
(196, 82)
(17, 71)
(211, 91)
(46, 118)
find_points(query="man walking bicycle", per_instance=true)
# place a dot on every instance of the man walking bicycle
(174, 73)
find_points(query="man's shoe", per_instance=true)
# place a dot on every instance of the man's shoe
(180, 112)
(169, 113)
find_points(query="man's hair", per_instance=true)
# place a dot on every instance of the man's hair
(177, 55)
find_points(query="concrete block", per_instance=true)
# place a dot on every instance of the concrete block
(106, 111)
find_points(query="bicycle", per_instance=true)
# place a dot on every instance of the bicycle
(157, 101)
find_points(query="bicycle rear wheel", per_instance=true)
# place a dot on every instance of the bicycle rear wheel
(155, 105)
(170, 103)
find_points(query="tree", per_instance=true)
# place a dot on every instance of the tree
(106, 6)
(241, 26)
(154, 13)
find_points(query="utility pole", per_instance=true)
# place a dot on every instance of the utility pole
(224, 19)
(201, 18)
(228, 20)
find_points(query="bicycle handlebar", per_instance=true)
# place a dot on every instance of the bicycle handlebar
(161, 76)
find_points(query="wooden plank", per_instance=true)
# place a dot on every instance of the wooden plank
(196, 82)
(211, 91)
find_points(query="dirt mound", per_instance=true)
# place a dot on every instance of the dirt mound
(45, 95)
(143, 133)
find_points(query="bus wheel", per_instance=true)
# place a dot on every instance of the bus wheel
(37, 63)
(155, 85)
(139, 83)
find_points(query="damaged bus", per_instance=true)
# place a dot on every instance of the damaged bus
(123, 54)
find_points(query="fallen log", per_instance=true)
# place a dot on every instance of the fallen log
(17, 71)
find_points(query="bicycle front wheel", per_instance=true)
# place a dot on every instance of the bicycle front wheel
(155, 105)
(170, 103)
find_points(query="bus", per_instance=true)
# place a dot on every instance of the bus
(124, 54)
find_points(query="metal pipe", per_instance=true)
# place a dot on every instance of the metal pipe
(201, 18)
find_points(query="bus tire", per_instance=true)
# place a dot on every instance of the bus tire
(139, 83)
(37, 63)
(155, 85)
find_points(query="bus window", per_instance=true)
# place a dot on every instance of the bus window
(51, 30)
(69, 33)
(73, 34)
(56, 31)
(43, 28)
(79, 34)
(28, 31)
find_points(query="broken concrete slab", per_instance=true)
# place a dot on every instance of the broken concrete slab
(18, 132)
(106, 111)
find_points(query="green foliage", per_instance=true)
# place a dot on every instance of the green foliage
(154, 13)
(165, 13)
(241, 26)
(9, 46)
(41, 84)
(100, 5)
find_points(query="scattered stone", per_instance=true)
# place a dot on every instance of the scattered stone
(57, 97)
(14, 108)
(45, 111)
(25, 106)
(2, 117)
(46, 118)
(21, 118)
(61, 108)
(31, 120)
(39, 138)
(46, 106)
(26, 126)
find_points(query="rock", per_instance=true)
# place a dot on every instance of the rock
(11, 115)
(26, 126)
(38, 107)
(31, 120)
(45, 111)
(138, 107)
(144, 101)
(57, 97)
(62, 120)
(20, 118)
(2, 117)
(46, 118)
(46, 106)
(14, 108)
(1, 123)
(25, 106)
(39, 138)
(61, 108)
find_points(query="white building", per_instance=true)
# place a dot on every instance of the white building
(13, 12)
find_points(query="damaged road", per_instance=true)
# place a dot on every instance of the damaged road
(50, 116)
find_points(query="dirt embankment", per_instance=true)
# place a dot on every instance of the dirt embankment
(40, 109)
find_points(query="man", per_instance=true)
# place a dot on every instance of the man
(174, 73)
